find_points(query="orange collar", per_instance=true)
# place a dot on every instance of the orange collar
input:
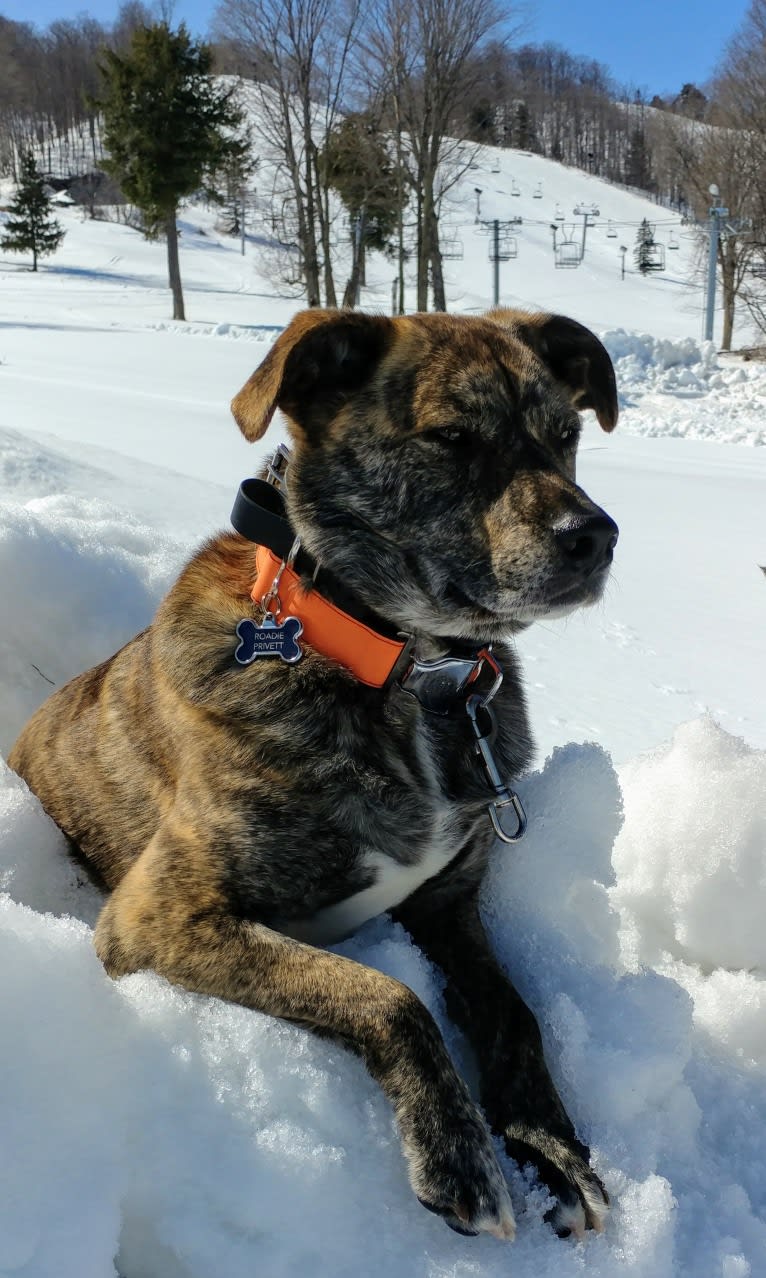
(371, 657)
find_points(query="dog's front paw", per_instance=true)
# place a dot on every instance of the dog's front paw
(455, 1173)
(581, 1199)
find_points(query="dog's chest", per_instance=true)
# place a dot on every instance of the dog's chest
(392, 882)
(430, 828)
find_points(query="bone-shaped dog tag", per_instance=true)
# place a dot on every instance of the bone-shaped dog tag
(270, 639)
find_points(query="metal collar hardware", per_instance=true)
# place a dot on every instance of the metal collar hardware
(483, 721)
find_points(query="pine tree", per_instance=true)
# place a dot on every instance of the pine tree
(355, 162)
(642, 253)
(169, 129)
(31, 227)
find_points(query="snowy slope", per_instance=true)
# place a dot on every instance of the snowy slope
(163, 1135)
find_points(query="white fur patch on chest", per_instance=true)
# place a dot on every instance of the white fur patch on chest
(393, 883)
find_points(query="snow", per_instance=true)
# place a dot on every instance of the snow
(157, 1134)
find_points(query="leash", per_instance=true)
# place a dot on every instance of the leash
(289, 587)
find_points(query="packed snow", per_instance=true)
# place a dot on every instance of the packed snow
(152, 1133)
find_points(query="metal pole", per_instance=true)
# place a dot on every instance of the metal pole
(496, 262)
(711, 267)
(393, 295)
(584, 229)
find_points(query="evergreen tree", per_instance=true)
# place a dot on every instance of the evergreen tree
(642, 253)
(356, 163)
(169, 129)
(31, 227)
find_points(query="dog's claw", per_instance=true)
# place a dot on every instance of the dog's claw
(582, 1202)
(459, 1178)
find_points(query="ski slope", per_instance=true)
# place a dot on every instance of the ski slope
(156, 1134)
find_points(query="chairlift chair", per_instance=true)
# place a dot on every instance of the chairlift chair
(537, 194)
(568, 250)
(673, 242)
(452, 248)
(515, 188)
(559, 214)
(507, 247)
(611, 233)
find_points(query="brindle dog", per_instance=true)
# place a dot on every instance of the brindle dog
(243, 815)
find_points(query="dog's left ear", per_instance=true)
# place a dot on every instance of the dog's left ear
(574, 356)
(314, 366)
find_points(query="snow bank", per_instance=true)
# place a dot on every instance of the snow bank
(96, 576)
(684, 388)
(706, 790)
(185, 1137)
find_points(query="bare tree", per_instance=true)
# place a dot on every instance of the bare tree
(740, 91)
(425, 52)
(705, 154)
(299, 57)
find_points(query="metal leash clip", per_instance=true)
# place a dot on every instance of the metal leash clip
(505, 797)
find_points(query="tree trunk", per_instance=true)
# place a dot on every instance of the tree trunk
(323, 206)
(174, 270)
(309, 247)
(435, 258)
(354, 279)
(728, 267)
(400, 221)
(422, 253)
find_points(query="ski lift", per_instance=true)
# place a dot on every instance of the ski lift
(537, 194)
(673, 242)
(507, 247)
(568, 251)
(495, 165)
(611, 233)
(452, 248)
(559, 214)
(515, 188)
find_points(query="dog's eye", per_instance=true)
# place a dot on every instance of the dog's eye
(569, 436)
(455, 436)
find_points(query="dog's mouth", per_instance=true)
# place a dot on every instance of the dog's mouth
(453, 603)
(548, 600)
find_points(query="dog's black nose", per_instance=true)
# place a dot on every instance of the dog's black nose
(587, 541)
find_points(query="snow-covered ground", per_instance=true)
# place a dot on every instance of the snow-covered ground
(163, 1135)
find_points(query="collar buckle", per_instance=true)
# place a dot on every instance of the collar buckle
(276, 467)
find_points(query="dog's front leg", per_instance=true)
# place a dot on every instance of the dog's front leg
(169, 914)
(518, 1093)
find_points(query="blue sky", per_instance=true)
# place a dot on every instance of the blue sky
(653, 44)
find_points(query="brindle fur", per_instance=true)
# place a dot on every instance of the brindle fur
(225, 806)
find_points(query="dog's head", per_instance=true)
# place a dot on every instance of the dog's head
(434, 461)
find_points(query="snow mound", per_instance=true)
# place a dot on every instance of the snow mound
(174, 1136)
(684, 388)
(92, 575)
(691, 858)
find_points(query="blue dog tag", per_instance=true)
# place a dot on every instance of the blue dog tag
(269, 640)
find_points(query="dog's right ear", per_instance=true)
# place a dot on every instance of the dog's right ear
(315, 364)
